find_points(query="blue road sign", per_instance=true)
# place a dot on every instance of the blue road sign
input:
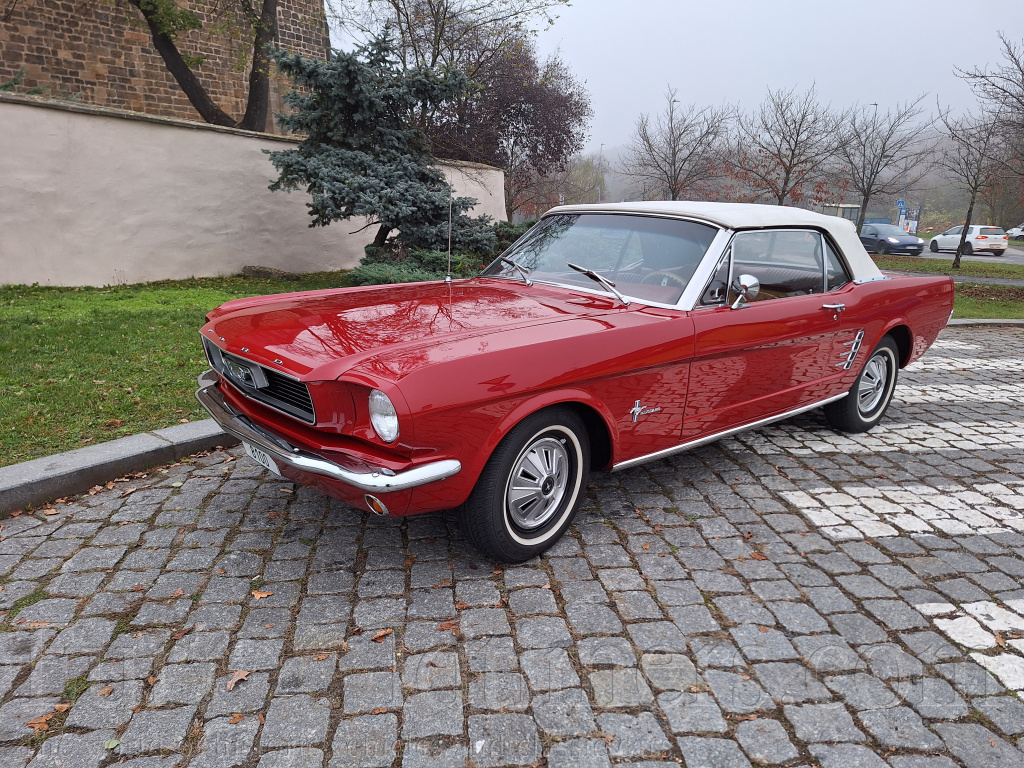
(901, 204)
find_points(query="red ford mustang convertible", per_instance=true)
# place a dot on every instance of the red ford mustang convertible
(607, 336)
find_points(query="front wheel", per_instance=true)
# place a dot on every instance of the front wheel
(967, 250)
(870, 395)
(881, 248)
(933, 246)
(531, 487)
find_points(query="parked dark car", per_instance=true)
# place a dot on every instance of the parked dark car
(888, 238)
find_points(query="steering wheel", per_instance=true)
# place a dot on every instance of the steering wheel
(663, 278)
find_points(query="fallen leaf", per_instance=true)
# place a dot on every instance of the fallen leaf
(999, 640)
(497, 572)
(106, 690)
(61, 707)
(657, 528)
(178, 593)
(378, 711)
(22, 620)
(661, 554)
(222, 571)
(111, 744)
(37, 624)
(272, 515)
(268, 626)
(41, 723)
(128, 492)
(263, 720)
(758, 556)
(50, 511)
(407, 562)
(356, 631)
(138, 588)
(236, 718)
(763, 628)
(747, 717)
(258, 595)
(152, 679)
(646, 546)
(181, 633)
(608, 738)
(461, 606)
(17, 512)
(320, 656)
(747, 536)
(379, 637)
(236, 677)
(287, 490)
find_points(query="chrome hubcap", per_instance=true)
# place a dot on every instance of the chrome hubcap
(871, 388)
(538, 483)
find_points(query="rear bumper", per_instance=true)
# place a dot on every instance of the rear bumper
(381, 480)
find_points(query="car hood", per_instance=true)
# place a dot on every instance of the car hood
(318, 335)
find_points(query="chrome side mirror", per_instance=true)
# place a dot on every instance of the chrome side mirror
(746, 288)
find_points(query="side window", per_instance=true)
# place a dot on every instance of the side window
(836, 275)
(955, 231)
(787, 262)
(718, 289)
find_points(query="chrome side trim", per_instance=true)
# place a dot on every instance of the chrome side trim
(846, 359)
(719, 435)
(874, 279)
(382, 480)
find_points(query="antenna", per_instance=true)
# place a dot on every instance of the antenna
(448, 277)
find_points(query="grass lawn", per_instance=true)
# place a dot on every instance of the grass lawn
(83, 365)
(944, 267)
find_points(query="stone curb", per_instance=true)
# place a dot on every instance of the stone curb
(64, 474)
(957, 321)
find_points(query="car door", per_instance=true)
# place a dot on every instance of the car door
(773, 354)
(868, 236)
(949, 239)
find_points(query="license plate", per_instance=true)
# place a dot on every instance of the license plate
(261, 457)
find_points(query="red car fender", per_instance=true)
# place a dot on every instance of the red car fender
(543, 400)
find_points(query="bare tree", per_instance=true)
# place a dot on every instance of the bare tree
(885, 154)
(969, 160)
(781, 152)
(1002, 90)
(674, 153)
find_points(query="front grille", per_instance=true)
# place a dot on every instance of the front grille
(280, 392)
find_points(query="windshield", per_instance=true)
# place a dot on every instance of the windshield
(648, 258)
(890, 230)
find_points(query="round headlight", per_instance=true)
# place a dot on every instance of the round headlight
(383, 416)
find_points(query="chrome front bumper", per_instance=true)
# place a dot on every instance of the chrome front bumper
(382, 480)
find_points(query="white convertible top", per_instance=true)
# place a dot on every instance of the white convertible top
(748, 216)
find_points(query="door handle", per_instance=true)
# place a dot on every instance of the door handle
(835, 309)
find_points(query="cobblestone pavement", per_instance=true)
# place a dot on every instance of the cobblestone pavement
(791, 596)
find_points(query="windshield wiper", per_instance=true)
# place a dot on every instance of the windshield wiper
(598, 278)
(520, 267)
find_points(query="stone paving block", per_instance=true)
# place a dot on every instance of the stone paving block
(693, 619)
(566, 712)
(691, 712)
(669, 671)
(978, 747)
(548, 669)
(633, 736)
(828, 653)
(737, 693)
(67, 749)
(225, 744)
(889, 662)
(499, 691)
(497, 740)
(49, 675)
(155, 730)
(16, 712)
(577, 752)
(720, 753)
(765, 741)
(371, 690)
(846, 756)
(933, 698)
(621, 687)
(427, 671)
(183, 684)
(435, 713)
(591, 619)
(106, 705)
(255, 654)
(762, 643)
(364, 742)
(1006, 712)
(899, 727)
(480, 622)
(490, 654)
(543, 632)
(597, 651)
(8, 676)
(858, 629)
(306, 674)
(365, 653)
(790, 683)
(657, 636)
(822, 722)
(295, 721)
(200, 646)
(247, 695)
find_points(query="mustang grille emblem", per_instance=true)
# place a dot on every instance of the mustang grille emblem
(638, 410)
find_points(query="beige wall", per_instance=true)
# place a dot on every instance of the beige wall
(96, 197)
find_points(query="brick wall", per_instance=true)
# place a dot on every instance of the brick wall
(101, 51)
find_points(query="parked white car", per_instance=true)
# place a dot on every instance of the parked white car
(1016, 233)
(979, 238)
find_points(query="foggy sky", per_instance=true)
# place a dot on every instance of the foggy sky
(732, 51)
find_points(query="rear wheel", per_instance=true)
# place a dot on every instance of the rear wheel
(531, 487)
(933, 246)
(871, 393)
(968, 249)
